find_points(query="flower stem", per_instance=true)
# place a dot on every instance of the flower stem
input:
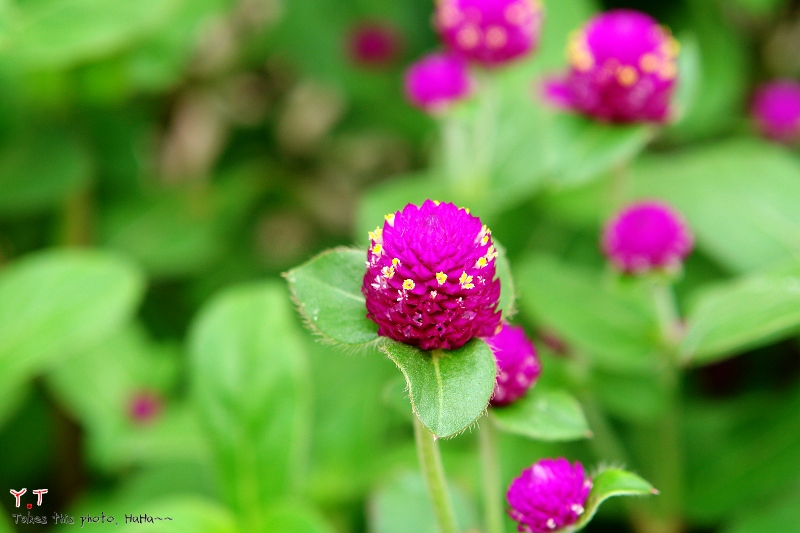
(490, 471)
(431, 463)
(485, 133)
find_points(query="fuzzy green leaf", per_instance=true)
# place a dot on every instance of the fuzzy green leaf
(449, 390)
(327, 290)
(608, 484)
(542, 414)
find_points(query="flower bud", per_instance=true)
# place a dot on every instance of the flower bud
(623, 68)
(490, 32)
(374, 44)
(437, 81)
(776, 110)
(430, 278)
(647, 236)
(517, 364)
(548, 496)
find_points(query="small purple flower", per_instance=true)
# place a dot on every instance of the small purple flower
(430, 277)
(623, 69)
(145, 406)
(490, 32)
(776, 110)
(646, 236)
(374, 44)
(548, 496)
(517, 364)
(437, 81)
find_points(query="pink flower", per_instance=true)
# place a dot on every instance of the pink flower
(517, 364)
(374, 44)
(622, 69)
(490, 32)
(548, 496)
(437, 81)
(647, 236)
(430, 278)
(776, 110)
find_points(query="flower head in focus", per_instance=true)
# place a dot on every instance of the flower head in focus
(437, 81)
(623, 68)
(776, 110)
(548, 496)
(430, 278)
(647, 236)
(490, 32)
(517, 364)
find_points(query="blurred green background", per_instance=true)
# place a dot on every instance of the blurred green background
(163, 161)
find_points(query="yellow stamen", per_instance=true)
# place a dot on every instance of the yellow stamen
(409, 284)
(481, 262)
(649, 63)
(395, 262)
(441, 277)
(465, 281)
(376, 235)
(377, 249)
(390, 219)
(627, 76)
(388, 272)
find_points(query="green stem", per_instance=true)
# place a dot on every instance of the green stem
(454, 151)
(485, 133)
(431, 463)
(490, 471)
(77, 219)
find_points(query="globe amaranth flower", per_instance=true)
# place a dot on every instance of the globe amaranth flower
(776, 110)
(437, 81)
(430, 278)
(517, 364)
(144, 406)
(647, 236)
(623, 68)
(548, 496)
(490, 32)
(374, 44)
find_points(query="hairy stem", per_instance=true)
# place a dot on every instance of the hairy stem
(490, 472)
(431, 463)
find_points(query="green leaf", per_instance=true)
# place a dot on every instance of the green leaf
(189, 514)
(402, 505)
(615, 325)
(31, 182)
(292, 518)
(742, 314)
(783, 515)
(608, 484)
(327, 291)
(249, 372)
(58, 303)
(759, 224)
(449, 390)
(61, 33)
(589, 148)
(543, 414)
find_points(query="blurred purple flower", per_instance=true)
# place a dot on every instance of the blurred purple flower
(374, 44)
(622, 69)
(517, 364)
(776, 110)
(548, 496)
(646, 236)
(145, 406)
(437, 81)
(490, 32)
(430, 277)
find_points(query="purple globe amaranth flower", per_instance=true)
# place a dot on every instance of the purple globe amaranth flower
(548, 496)
(374, 44)
(430, 277)
(776, 110)
(490, 32)
(647, 236)
(437, 81)
(517, 364)
(144, 406)
(623, 68)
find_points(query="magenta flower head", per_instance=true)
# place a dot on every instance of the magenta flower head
(144, 406)
(622, 69)
(647, 236)
(490, 32)
(437, 81)
(517, 364)
(548, 496)
(430, 277)
(374, 44)
(776, 110)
